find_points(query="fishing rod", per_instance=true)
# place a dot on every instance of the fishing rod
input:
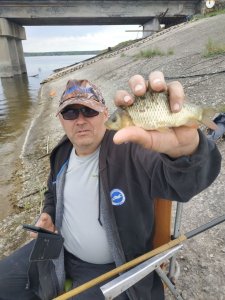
(141, 258)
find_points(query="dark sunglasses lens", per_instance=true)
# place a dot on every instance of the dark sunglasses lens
(89, 112)
(73, 113)
(70, 114)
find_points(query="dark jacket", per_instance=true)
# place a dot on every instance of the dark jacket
(141, 175)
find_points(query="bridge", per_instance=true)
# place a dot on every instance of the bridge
(16, 14)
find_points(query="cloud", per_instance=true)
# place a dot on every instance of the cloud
(75, 38)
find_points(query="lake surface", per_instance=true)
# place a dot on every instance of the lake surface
(17, 98)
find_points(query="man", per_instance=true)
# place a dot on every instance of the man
(101, 192)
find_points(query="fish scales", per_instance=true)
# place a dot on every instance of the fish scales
(153, 112)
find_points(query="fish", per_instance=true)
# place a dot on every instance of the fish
(152, 112)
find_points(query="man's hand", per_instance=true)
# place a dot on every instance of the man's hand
(174, 142)
(45, 221)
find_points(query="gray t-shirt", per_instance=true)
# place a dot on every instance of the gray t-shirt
(84, 236)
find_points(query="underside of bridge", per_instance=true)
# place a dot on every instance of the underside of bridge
(16, 14)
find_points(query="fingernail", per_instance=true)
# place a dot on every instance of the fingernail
(138, 88)
(156, 81)
(127, 98)
(176, 107)
(158, 85)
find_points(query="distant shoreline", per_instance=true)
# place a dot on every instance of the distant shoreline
(91, 52)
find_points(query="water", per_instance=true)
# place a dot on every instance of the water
(17, 98)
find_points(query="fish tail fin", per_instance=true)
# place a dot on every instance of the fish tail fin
(207, 114)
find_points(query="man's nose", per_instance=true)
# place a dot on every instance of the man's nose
(80, 118)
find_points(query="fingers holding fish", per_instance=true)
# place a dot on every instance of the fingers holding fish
(176, 96)
(174, 89)
(157, 82)
(137, 85)
(123, 98)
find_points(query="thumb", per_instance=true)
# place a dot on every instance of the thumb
(136, 135)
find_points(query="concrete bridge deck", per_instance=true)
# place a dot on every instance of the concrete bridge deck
(94, 12)
(15, 14)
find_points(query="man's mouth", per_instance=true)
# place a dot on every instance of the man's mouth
(82, 131)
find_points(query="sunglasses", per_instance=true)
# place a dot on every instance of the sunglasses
(73, 113)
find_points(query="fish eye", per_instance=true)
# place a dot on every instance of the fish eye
(114, 119)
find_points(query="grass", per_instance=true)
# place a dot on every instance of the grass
(209, 14)
(221, 108)
(149, 53)
(119, 46)
(214, 48)
(41, 195)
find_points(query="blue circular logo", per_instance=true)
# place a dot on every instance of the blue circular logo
(117, 197)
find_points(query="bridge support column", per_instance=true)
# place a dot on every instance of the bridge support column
(11, 50)
(151, 27)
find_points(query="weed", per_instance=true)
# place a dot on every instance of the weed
(149, 53)
(27, 206)
(213, 48)
(170, 51)
(208, 15)
(41, 194)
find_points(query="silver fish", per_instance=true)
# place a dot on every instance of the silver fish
(152, 112)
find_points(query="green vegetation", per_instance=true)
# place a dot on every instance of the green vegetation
(42, 191)
(124, 44)
(209, 14)
(214, 48)
(215, 13)
(27, 205)
(119, 46)
(153, 52)
(91, 52)
(221, 108)
(170, 51)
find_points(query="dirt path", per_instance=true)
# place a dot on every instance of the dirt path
(202, 258)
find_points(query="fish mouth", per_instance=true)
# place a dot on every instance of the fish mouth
(107, 125)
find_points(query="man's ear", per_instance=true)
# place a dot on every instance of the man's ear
(106, 114)
(60, 119)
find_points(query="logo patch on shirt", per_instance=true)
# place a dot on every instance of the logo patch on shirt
(117, 197)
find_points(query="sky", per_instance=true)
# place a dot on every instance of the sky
(75, 38)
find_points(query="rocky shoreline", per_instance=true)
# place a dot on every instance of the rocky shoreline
(202, 258)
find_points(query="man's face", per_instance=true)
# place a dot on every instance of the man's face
(85, 133)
